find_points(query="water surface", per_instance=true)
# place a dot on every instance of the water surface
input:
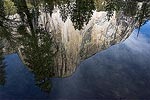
(121, 71)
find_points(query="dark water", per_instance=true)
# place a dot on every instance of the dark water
(19, 81)
(122, 71)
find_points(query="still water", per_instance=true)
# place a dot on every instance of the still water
(121, 71)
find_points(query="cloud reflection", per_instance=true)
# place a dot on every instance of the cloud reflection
(122, 71)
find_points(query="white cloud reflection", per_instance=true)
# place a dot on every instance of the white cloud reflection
(122, 70)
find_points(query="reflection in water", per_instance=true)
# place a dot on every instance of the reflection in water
(111, 74)
(82, 12)
(38, 55)
(3, 33)
(38, 46)
(79, 11)
(42, 45)
(120, 72)
(2, 66)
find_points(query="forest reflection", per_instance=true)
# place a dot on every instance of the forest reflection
(40, 50)
(2, 66)
(79, 11)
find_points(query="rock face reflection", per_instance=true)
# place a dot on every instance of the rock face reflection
(54, 36)
(76, 45)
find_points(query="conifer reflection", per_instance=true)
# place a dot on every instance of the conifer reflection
(38, 55)
(2, 66)
(3, 33)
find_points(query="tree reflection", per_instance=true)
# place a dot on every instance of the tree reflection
(38, 55)
(82, 12)
(79, 11)
(2, 31)
(2, 66)
(140, 11)
(35, 42)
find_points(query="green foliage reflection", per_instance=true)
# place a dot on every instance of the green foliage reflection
(38, 55)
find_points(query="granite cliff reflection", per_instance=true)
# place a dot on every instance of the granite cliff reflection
(54, 36)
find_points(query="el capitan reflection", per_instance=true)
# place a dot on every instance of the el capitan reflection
(54, 36)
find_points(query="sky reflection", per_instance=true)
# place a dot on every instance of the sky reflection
(122, 71)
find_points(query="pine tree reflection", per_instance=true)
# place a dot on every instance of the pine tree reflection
(38, 55)
(82, 12)
(79, 11)
(2, 65)
(3, 33)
